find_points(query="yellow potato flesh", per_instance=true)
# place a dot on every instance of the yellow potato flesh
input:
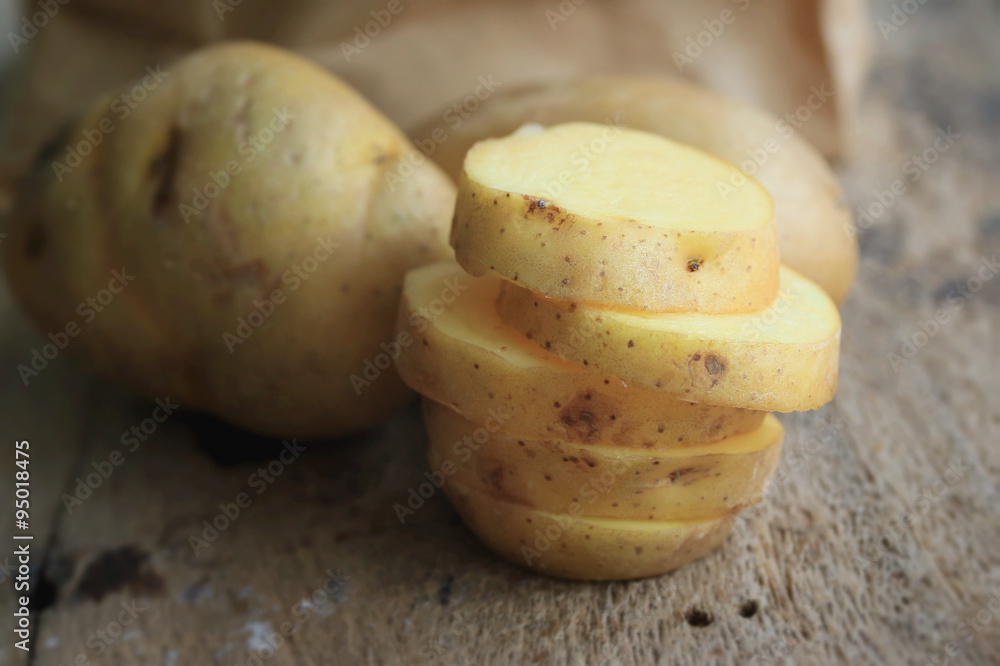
(570, 546)
(604, 481)
(782, 359)
(461, 355)
(597, 214)
(617, 175)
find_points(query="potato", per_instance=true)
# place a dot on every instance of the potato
(815, 229)
(782, 359)
(257, 202)
(707, 481)
(576, 547)
(459, 354)
(587, 212)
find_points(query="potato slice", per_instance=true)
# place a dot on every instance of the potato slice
(606, 481)
(599, 214)
(571, 546)
(782, 359)
(461, 355)
(815, 229)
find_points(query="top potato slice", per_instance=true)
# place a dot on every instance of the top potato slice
(816, 234)
(606, 215)
(783, 359)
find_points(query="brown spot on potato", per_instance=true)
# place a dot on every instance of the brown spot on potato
(706, 370)
(494, 477)
(533, 203)
(163, 170)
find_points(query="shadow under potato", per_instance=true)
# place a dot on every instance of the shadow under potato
(228, 445)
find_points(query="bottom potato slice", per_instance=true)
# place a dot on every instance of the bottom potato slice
(781, 359)
(455, 350)
(571, 546)
(604, 481)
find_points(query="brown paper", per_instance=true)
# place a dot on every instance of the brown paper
(411, 57)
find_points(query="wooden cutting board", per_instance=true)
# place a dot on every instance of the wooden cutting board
(879, 542)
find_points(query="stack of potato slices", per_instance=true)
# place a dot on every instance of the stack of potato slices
(598, 366)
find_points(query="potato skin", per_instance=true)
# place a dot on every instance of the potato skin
(247, 177)
(816, 231)
(580, 548)
(626, 264)
(782, 359)
(551, 399)
(607, 481)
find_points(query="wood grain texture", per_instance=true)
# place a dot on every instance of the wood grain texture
(821, 573)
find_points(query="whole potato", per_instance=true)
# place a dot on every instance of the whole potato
(241, 223)
(815, 229)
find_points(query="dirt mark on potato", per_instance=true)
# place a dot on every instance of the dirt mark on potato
(586, 415)
(706, 370)
(163, 170)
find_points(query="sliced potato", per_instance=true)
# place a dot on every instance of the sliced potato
(606, 481)
(461, 355)
(571, 546)
(599, 214)
(782, 359)
(815, 228)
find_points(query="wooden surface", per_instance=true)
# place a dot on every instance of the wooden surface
(819, 574)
